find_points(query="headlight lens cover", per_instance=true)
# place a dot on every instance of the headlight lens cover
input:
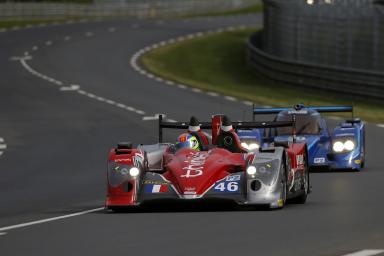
(349, 145)
(251, 170)
(343, 145)
(134, 171)
(338, 146)
(118, 173)
(250, 146)
(266, 171)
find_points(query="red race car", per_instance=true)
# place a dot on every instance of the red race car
(194, 169)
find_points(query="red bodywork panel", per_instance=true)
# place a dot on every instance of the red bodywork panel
(296, 153)
(120, 195)
(194, 172)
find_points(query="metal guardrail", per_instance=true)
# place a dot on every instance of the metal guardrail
(355, 82)
(112, 8)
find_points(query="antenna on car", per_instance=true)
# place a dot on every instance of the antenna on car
(160, 129)
(294, 128)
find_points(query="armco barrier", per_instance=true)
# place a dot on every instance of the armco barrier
(13, 10)
(355, 82)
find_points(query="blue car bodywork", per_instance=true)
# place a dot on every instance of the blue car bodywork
(341, 148)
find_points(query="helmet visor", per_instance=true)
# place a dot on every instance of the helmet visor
(185, 144)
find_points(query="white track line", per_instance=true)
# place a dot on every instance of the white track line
(248, 103)
(230, 98)
(22, 225)
(213, 94)
(3, 233)
(75, 87)
(197, 90)
(368, 252)
(135, 57)
(3, 146)
(380, 125)
(35, 73)
(181, 86)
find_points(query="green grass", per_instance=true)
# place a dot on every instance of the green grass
(22, 23)
(256, 8)
(217, 63)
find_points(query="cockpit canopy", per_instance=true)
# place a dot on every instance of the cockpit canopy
(308, 122)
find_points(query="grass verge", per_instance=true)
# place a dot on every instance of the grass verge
(23, 23)
(256, 8)
(217, 63)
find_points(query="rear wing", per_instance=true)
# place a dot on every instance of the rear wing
(298, 108)
(216, 122)
(177, 125)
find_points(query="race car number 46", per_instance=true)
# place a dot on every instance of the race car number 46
(227, 186)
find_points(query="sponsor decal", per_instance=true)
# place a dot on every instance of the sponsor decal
(233, 178)
(155, 182)
(357, 161)
(189, 193)
(300, 159)
(319, 160)
(156, 188)
(122, 170)
(227, 186)
(190, 189)
(300, 138)
(123, 160)
(302, 112)
(196, 161)
(280, 203)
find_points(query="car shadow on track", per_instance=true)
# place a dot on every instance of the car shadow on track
(200, 206)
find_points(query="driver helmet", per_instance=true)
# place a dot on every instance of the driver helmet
(187, 140)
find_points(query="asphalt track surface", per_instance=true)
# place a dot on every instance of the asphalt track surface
(57, 139)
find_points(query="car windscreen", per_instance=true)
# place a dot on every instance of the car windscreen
(306, 124)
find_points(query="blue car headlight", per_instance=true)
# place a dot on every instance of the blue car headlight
(343, 145)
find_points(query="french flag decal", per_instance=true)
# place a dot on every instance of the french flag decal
(156, 188)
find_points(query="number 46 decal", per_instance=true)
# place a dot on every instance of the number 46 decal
(227, 186)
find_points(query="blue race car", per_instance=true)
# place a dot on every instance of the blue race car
(341, 149)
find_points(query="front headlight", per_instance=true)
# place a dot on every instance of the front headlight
(250, 146)
(134, 171)
(340, 146)
(119, 173)
(266, 171)
(349, 145)
(251, 170)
